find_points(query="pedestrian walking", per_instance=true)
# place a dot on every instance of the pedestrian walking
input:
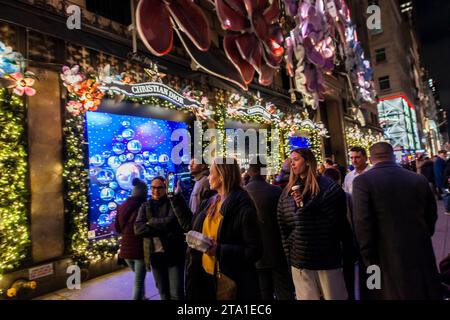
(162, 221)
(131, 245)
(313, 225)
(201, 190)
(273, 272)
(394, 218)
(439, 167)
(229, 219)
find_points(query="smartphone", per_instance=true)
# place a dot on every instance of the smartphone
(171, 183)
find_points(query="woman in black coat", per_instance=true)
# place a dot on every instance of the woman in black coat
(230, 220)
(160, 222)
(312, 217)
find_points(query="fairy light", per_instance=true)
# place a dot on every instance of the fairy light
(355, 137)
(14, 239)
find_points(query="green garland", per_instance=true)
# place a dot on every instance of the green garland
(14, 232)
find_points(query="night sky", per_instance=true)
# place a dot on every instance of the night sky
(433, 22)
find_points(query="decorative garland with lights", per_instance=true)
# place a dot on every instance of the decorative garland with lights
(355, 137)
(14, 233)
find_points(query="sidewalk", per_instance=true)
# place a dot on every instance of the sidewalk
(113, 286)
(119, 285)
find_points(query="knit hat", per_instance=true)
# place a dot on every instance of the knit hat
(139, 188)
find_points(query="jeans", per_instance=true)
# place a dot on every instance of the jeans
(169, 278)
(138, 267)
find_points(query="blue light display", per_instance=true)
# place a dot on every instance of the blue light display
(298, 142)
(122, 148)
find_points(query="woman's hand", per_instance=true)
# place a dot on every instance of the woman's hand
(298, 198)
(212, 250)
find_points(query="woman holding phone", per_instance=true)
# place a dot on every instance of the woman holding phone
(229, 219)
(162, 221)
(313, 224)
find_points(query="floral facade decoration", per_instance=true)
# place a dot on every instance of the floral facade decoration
(254, 39)
(310, 49)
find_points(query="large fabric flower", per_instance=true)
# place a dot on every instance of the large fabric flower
(156, 30)
(22, 83)
(72, 78)
(8, 63)
(255, 41)
(311, 44)
(90, 95)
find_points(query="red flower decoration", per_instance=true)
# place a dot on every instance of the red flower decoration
(257, 41)
(155, 27)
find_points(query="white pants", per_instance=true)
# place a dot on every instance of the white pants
(312, 284)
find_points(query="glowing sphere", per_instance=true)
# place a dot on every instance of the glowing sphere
(107, 194)
(103, 208)
(150, 174)
(121, 196)
(105, 176)
(164, 158)
(112, 206)
(113, 185)
(153, 158)
(127, 172)
(139, 159)
(114, 162)
(134, 146)
(93, 172)
(118, 148)
(123, 158)
(146, 154)
(159, 171)
(151, 134)
(128, 134)
(147, 163)
(126, 124)
(130, 156)
(106, 154)
(103, 220)
(96, 160)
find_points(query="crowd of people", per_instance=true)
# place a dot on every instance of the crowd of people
(311, 234)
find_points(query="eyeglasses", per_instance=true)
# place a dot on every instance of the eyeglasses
(157, 188)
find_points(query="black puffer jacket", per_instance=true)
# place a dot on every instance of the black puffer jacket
(313, 235)
(239, 247)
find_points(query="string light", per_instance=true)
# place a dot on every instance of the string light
(355, 137)
(14, 233)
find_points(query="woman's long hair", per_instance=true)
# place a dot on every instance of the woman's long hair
(230, 173)
(311, 184)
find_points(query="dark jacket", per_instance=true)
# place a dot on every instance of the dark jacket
(313, 235)
(167, 219)
(266, 198)
(394, 215)
(131, 246)
(439, 167)
(446, 175)
(239, 247)
(428, 171)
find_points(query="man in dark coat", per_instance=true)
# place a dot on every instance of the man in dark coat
(273, 270)
(439, 167)
(394, 217)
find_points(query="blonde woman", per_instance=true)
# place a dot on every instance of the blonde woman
(313, 225)
(230, 220)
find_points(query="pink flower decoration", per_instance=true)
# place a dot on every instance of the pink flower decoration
(22, 84)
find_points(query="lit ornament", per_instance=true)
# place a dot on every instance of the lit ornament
(127, 172)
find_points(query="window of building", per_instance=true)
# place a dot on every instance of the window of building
(380, 55)
(384, 83)
(118, 11)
